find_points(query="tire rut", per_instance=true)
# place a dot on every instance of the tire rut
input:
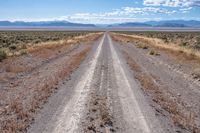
(99, 116)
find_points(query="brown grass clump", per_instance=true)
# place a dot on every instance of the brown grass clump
(14, 68)
(3, 55)
(181, 116)
(196, 74)
(18, 123)
(142, 46)
(153, 52)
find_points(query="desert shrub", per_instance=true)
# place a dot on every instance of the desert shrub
(23, 52)
(164, 38)
(142, 46)
(197, 46)
(23, 46)
(3, 55)
(184, 44)
(37, 41)
(12, 47)
(152, 52)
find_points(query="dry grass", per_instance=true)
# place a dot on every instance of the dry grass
(186, 52)
(19, 106)
(60, 43)
(184, 39)
(181, 115)
(34, 46)
(39, 54)
(19, 112)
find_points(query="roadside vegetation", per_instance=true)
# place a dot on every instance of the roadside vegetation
(14, 43)
(42, 68)
(185, 43)
(183, 39)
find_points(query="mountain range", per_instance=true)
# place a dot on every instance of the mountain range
(168, 23)
(43, 24)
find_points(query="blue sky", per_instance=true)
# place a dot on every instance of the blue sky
(99, 11)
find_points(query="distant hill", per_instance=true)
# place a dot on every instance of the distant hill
(181, 23)
(169, 23)
(44, 24)
(134, 24)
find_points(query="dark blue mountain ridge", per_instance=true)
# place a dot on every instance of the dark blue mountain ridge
(181, 23)
(133, 24)
(167, 23)
(44, 23)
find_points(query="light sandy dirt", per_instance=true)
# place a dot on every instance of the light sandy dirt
(36, 76)
(168, 82)
(101, 96)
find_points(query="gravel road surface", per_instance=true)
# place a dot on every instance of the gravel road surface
(101, 96)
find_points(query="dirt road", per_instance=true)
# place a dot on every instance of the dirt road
(101, 96)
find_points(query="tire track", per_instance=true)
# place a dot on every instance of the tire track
(105, 99)
(98, 116)
(135, 119)
(68, 120)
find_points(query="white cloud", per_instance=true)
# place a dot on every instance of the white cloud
(124, 14)
(172, 3)
(185, 10)
(146, 10)
(128, 11)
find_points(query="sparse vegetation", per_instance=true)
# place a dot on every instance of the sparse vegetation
(179, 38)
(179, 45)
(12, 39)
(16, 42)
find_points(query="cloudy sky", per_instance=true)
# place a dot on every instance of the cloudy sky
(99, 11)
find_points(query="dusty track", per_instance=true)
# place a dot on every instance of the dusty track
(117, 88)
(102, 96)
